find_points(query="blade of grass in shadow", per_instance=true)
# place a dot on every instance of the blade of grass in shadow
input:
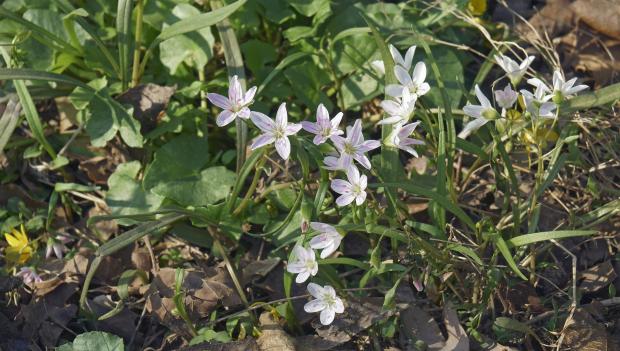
(123, 35)
(527, 239)
(135, 73)
(31, 74)
(501, 245)
(234, 63)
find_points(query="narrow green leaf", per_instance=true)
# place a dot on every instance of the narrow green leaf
(345, 261)
(527, 239)
(123, 33)
(279, 68)
(31, 74)
(32, 116)
(505, 251)
(441, 200)
(8, 122)
(601, 97)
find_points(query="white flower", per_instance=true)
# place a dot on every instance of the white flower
(379, 66)
(28, 275)
(398, 58)
(323, 128)
(400, 109)
(506, 98)
(235, 105)
(415, 83)
(537, 103)
(57, 246)
(326, 301)
(481, 113)
(353, 147)
(304, 265)
(405, 62)
(328, 239)
(400, 137)
(277, 131)
(353, 189)
(514, 70)
(563, 89)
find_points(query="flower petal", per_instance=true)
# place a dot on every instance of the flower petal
(472, 126)
(419, 73)
(282, 115)
(283, 147)
(302, 277)
(394, 90)
(224, 118)
(310, 127)
(263, 122)
(292, 128)
(327, 316)
(340, 186)
(249, 96)
(262, 140)
(219, 101)
(345, 199)
(403, 76)
(315, 305)
(315, 290)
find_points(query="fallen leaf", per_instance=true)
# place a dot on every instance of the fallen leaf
(596, 277)
(601, 15)
(417, 324)
(149, 101)
(247, 344)
(582, 332)
(203, 291)
(273, 337)
(457, 337)
(358, 316)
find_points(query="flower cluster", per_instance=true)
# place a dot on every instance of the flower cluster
(538, 105)
(350, 151)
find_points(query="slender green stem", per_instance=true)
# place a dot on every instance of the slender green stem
(135, 74)
(250, 192)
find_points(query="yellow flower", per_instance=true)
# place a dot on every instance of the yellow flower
(19, 250)
(477, 7)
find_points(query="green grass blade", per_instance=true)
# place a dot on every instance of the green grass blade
(442, 200)
(601, 97)
(527, 239)
(32, 116)
(123, 33)
(391, 167)
(234, 63)
(31, 74)
(505, 251)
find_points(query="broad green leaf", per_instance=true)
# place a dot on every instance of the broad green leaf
(352, 52)
(258, 54)
(280, 67)
(193, 49)
(307, 80)
(294, 34)
(95, 341)
(209, 186)
(451, 69)
(126, 195)
(358, 89)
(308, 8)
(47, 19)
(276, 11)
(185, 155)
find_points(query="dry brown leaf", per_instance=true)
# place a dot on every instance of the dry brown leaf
(358, 316)
(149, 102)
(273, 337)
(203, 291)
(247, 344)
(597, 277)
(582, 332)
(417, 324)
(601, 15)
(457, 337)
